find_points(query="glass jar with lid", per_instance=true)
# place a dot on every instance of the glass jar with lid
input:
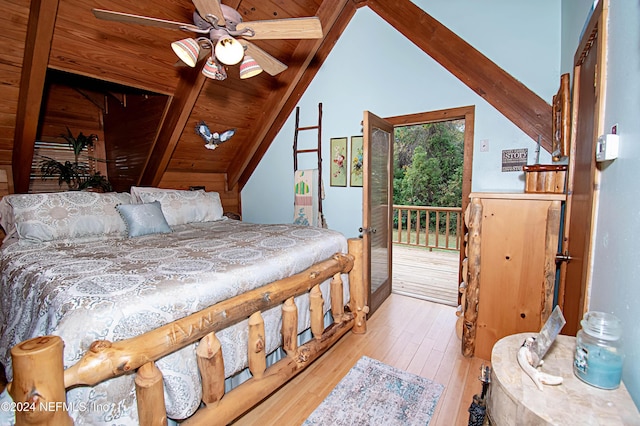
(599, 354)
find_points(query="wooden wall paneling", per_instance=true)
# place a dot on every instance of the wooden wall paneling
(13, 20)
(127, 54)
(513, 99)
(6, 180)
(42, 17)
(130, 131)
(241, 105)
(66, 107)
(172, 126)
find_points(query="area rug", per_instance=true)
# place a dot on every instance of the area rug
(374, 393)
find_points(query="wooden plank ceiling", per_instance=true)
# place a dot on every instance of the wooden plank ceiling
(140, 58)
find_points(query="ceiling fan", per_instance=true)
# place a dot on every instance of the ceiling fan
(220, 29)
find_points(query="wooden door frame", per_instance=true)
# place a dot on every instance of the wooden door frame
(595, 32)
(466, 113)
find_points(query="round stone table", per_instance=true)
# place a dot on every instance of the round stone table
(515, 399)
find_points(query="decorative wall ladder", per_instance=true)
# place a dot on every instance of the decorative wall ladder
(317, 150)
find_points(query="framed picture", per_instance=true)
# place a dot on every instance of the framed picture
(338, 162)
(356, 161)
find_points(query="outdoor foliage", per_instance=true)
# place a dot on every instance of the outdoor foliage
(428, 164)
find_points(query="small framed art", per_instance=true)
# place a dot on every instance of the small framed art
(338, 162)
(356, 161)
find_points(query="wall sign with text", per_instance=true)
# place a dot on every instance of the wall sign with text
(514, 159)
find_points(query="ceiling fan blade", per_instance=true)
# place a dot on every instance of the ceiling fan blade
(128, 18)
(268, 63)
(293, 28)
(210, 7)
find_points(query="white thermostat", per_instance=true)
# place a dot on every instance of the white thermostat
(607, 147)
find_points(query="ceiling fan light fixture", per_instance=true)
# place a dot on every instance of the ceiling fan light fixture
(213, 70)
(187, 50)
(249, 67)
(229, 51)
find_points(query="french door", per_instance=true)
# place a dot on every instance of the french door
(377, 207)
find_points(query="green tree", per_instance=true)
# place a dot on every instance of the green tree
(428, 164)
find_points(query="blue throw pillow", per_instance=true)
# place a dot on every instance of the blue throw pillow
(144, 219)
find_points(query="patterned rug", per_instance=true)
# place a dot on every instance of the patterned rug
(374, 393)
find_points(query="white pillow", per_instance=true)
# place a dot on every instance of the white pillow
(181, 206)
(7, 221)
(63, 215)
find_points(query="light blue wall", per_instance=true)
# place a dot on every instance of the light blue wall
(616, 266)
(575, 14)
(373, 67)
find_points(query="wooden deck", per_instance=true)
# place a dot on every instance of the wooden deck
(424, 274)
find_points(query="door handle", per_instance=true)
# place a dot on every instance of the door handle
(367, 230)
(563, 257)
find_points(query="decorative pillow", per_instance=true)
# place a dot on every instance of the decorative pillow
(144, 219)
(62, 215)
(181, 207)
(7, 221)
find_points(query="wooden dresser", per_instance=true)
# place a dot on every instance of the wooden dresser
(511, 269)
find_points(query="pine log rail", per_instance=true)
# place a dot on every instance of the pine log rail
(419, 233)
(39, 375)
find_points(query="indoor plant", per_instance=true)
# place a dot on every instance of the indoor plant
(76, 175)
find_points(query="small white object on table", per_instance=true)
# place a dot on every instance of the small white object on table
(515, 399)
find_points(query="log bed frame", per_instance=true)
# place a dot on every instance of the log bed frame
(39, 375)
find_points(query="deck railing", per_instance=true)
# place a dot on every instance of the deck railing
(427, 226)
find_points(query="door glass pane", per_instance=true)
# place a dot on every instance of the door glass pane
(380, 141)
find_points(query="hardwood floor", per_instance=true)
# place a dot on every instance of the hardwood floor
(408, 333)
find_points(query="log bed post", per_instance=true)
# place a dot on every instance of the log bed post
(337, 298)
(290, 327)
(152, 410)
(317, 316)
(211, 366)
(357, 287)
(256, 346)
(472, 290)
(38, 382)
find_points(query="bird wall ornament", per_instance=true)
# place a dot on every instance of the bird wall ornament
(213, 139)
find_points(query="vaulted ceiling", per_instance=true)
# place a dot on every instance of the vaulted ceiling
(64, 35)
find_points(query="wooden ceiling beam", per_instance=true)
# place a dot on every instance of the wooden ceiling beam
(332, 36)
(287, 96)
(509, 96)
(42, 19)
(172, 126)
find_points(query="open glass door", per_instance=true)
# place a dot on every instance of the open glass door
(377, 207)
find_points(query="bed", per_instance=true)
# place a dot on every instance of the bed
(157, 305)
